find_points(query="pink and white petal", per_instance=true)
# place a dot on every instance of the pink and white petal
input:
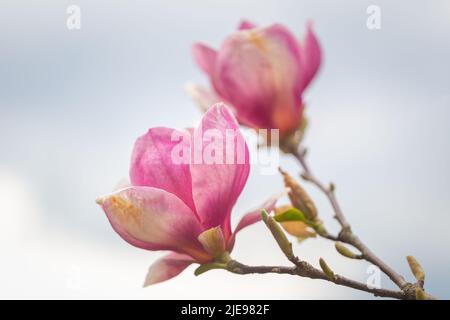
(167, 267)
(154, 219)
(281, 38)
(204, 97)
(286, 61)
(244, 78)
(311, 56)
(205, 57)
(258, 72)
(157, 161)
(253, 217)
(217, 182)
(245, 25)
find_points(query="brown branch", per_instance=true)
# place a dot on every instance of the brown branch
(346, 235)
(304, 269)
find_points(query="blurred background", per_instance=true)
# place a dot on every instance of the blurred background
(72, 102)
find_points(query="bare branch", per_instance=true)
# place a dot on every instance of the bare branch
(304, 269)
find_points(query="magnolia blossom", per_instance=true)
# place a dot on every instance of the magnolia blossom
(261, 72)
(182, 207)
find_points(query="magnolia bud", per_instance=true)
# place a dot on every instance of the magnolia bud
(299, 198)
(326, 269)
(278, 234)
(416, 268)
(345, 251)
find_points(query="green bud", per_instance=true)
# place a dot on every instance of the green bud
(326, 269)
(345, 251)
(278, 234)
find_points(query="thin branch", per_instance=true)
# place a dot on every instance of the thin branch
(346, 235)
(304, 269)
(299, 154)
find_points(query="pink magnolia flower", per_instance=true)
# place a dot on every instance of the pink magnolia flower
(183, 207)
(261, 72)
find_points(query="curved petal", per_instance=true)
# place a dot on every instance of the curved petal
(218, 177)
(205, 57)
(253, 217)
(157, 161)
(244, 79)
(204, 97)
(245, 25)
(286, 61)
(258, 72)
(167, 267)
(311, 56)
(154, 219)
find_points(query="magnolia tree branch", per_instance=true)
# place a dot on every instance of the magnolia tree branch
(346, 234)
(304, 269)
(303, 209)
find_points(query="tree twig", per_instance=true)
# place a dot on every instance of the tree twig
(304, 269)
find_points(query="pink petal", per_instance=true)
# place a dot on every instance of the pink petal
(245, 25)
(205, 57)
(167, 267)
(154, 219)
(258, 72)
(153, 164)
(286, 56)
(204, 97)
(253, 217)
(311, 56)
(244, 79)
(217, 184)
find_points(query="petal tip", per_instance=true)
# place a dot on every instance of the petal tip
(100, 200)
(204, 56)
(147, 283)
(246, 24)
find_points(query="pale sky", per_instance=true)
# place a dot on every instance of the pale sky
(73, 102)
